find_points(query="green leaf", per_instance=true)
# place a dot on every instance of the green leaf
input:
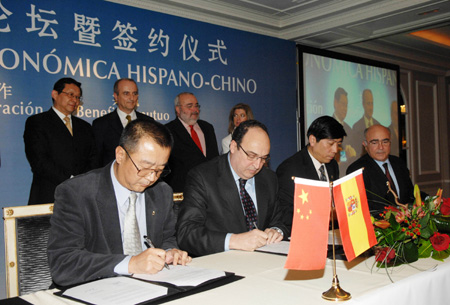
(440, 255)
(425, 249)
(426, 233)
(424, 221)
(399, 236)
(394, 224)
(411, 253)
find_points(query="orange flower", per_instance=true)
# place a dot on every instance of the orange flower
(383, 224)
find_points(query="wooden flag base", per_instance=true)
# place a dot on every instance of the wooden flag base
(336, 293)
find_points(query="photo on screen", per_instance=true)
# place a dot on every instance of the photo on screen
(358, 92)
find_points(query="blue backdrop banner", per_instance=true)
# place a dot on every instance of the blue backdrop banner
(98, 42)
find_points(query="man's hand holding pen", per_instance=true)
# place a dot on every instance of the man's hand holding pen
(153, 260)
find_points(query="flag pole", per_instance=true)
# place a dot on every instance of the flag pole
(335, 293)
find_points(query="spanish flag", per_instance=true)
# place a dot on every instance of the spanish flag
(353, 215)
(309, 237)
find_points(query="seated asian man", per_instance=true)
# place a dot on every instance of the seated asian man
(100, 218)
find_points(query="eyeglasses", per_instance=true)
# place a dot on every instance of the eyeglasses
(71, 95)
(127, 94)
(253, 157)
(383, 142)
(148, 171)
(190, 106)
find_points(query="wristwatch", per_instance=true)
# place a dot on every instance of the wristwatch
(278, 230)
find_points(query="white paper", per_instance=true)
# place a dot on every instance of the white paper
(281, 248)
(116, 290)
(182, 275)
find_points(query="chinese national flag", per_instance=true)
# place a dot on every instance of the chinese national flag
(352, 210)
(309, 237)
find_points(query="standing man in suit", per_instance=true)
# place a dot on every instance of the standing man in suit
(108, 128)
(347, 154)
(100, 218)
(58, 145)
(194, 140)
(378, 146)
(315, 161)
(231, 202)
(366, 121)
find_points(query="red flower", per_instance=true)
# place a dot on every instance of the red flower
(440, 242)
(445, 206)
(382, 255)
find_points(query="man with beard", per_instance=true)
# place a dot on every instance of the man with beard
(194, 140)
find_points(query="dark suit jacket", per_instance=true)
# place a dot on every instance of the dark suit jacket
(348, 140)
(299, 165)
(375, 182)
(54, 154)
(212, 207)
(185, 153)
(107, 131)
(85, 242)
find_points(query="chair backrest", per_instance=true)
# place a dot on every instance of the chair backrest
(26, 236)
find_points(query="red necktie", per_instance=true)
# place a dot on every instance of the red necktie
(194, 136)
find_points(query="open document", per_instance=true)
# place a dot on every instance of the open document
(182, 275)
(116, 290)
(279, 248)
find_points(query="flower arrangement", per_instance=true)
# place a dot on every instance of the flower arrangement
(406, 233)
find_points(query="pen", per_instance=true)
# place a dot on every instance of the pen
(254, 225)
(151, 245)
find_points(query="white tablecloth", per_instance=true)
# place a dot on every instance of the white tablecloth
(267, 282)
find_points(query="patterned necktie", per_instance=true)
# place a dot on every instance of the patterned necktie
(389, 177)
(128, 117)
(67, 120)
(194, 136)
(131, 237)
(249, 207)
(322, 177)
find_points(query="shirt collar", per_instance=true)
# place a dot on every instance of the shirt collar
(60, 114)
(121, 192)
(236, 177)
(123, 115)
(316, 162)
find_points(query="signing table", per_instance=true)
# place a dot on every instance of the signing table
(426, 281)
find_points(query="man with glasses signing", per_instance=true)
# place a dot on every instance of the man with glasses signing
(379, 168)
(58, 145)
(230, 202)
(194, 140)
(100, 218)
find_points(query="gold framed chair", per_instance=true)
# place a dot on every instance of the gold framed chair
(26, 236)
(177, 197)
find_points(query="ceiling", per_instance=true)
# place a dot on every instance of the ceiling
(373, 27)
